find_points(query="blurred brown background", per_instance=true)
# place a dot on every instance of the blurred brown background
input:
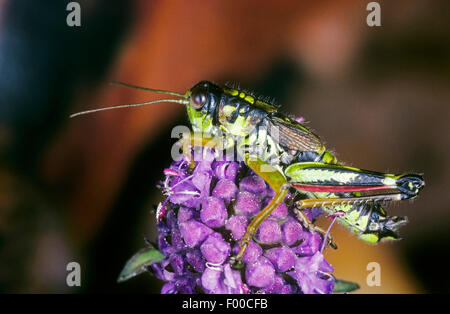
(83, 189)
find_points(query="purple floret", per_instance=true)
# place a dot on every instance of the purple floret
(205, 214)
(213, 212)
(215, 249)
(261, 273)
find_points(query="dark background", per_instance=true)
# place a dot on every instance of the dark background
(83, 189)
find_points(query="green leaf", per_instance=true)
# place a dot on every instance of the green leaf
(139, 263)
(341, 286)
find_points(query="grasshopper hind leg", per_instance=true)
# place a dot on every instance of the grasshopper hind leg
(409, 185)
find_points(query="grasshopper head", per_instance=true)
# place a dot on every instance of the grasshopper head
(203, 99)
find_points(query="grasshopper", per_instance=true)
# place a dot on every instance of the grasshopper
(289, 157)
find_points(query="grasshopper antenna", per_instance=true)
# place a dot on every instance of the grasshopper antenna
(178, 101)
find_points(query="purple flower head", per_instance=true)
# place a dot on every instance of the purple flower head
(205, 214)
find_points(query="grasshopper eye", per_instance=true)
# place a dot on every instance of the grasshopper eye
(198, 99)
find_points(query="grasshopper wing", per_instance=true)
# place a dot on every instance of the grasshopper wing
(293, 135)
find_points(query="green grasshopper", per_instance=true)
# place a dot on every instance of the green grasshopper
(288, 156)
